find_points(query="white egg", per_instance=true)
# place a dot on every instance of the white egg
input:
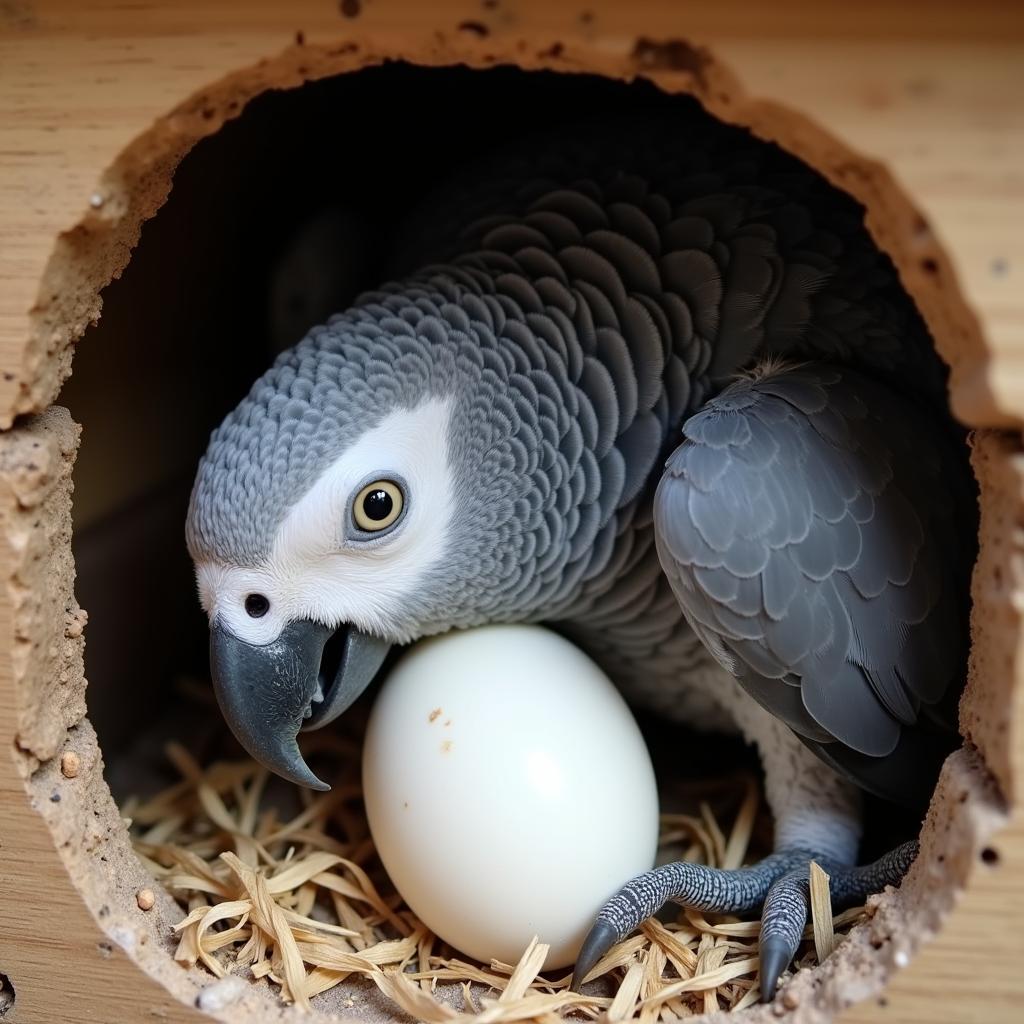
(508, 790)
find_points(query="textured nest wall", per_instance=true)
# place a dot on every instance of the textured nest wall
(37, 459)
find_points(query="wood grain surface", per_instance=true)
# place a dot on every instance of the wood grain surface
(916, 108)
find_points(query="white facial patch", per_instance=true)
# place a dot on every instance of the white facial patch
(321, 567)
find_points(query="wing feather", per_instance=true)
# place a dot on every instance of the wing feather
(807, 525)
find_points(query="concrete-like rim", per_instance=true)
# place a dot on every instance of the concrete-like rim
(88, 256)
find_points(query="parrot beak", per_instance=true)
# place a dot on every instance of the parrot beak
(268, 692)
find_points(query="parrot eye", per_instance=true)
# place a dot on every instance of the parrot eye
(378, 505)
(256, 606)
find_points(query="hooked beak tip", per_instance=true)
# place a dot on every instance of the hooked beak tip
(267, 692)
(262, 691)
(311, 781)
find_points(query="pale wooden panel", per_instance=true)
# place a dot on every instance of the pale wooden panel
(938, 107)
(932, 91)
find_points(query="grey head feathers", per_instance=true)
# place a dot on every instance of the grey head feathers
(540, 443)
(316, 399)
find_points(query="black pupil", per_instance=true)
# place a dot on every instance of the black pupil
(377, 505)
(256, 605)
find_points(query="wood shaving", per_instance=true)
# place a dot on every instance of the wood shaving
(821, 912)
(301, 900)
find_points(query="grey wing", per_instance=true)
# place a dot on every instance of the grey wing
(809, 527)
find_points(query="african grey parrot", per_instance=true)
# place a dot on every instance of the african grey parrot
(649, 382)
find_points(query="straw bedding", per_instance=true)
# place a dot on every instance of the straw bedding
(284, 884)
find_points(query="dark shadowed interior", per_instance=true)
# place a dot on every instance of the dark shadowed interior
(311, 185)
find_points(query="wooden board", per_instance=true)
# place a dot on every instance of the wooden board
(98, 101)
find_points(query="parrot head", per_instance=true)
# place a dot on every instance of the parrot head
(373, 487)
(339, 577)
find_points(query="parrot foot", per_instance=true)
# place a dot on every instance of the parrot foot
(779, 885)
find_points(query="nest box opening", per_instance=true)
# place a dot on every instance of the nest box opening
(7, 995)
(308, 184)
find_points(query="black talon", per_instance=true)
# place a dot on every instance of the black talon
(776, 956)
(783, 918)
(778, 884)
(601, 937)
